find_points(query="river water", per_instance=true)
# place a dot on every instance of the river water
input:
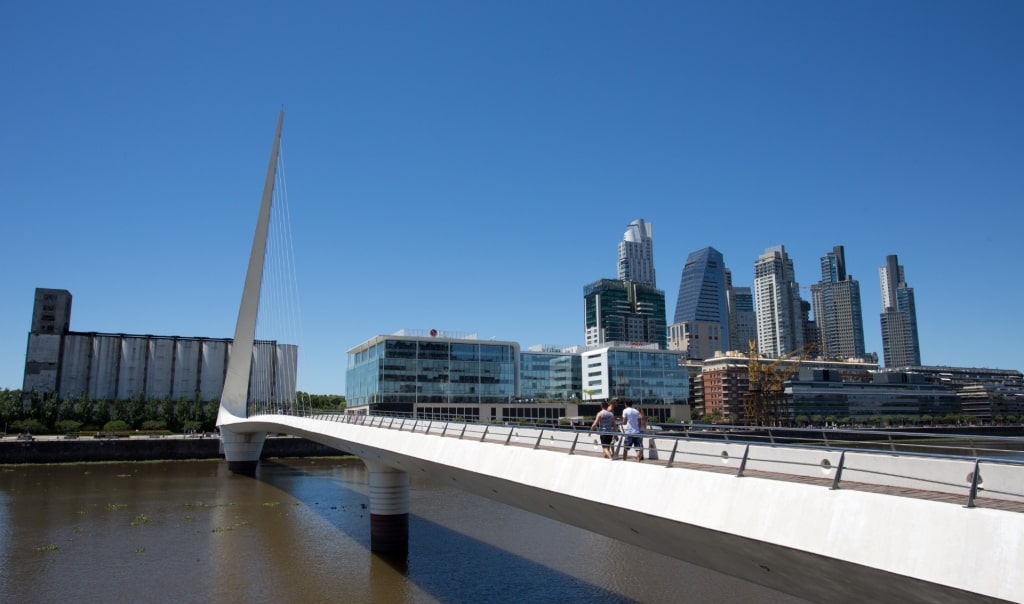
(300, 532)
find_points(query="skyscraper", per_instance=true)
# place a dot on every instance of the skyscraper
(777, 298)
(742, 318)
(701, 323)
(624, 311)
(900, 345)
(636, 254)
(837, 309)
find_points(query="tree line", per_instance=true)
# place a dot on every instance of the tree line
(50, 414)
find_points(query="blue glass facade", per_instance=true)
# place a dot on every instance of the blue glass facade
(701, 324)
(702, 289)
(550, 376)
(397, 372)
(472, 379)
(648, 376)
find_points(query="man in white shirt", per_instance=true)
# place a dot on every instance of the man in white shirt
(633, 424)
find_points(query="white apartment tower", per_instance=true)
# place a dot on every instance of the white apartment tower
(900, 344)
(777, 302)
(636, 254)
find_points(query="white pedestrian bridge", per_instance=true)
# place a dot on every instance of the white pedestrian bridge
(824, 521)
(828, 521)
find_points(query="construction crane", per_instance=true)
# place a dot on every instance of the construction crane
(763, 402)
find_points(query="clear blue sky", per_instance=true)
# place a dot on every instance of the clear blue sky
(470, 166)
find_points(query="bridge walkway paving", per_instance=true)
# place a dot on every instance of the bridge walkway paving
(980, 500)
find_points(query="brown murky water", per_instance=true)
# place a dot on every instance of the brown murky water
(193, 532)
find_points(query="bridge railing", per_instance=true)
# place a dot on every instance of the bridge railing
(971, 468)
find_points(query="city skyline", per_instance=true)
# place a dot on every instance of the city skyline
(470, 167)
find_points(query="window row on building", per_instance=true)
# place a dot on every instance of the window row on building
(431, 374)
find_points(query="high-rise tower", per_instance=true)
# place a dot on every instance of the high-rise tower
(742, 318)
(837, 309)
(701, 323)
(623, 311)
(900, 345)
(777, 298)
(636, 254)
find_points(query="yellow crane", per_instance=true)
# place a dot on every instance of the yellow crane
(763, 402)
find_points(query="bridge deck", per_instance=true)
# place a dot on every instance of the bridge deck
(590, 448)
(980, 501)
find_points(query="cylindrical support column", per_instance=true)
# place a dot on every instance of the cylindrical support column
(389, 509)
(242, 450)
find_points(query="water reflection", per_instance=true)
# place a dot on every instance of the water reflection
(193, 532)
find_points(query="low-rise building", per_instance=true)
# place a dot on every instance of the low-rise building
(726, 380)
(439, 374)
(822, 392)
(118, 366)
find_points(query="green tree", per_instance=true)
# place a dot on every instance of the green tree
(115, 425)
(119, 410)
(210, 411)
(99, 412)
(67, 426)
(30, 425)
(162, 411)
(135, 411)
(320, 402)
(10, 408)
(72, 408)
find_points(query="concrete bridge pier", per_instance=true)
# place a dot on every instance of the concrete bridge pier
(389, 509)
(242, 450)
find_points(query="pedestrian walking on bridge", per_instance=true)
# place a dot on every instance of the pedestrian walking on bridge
(633, 424)
(604, 423)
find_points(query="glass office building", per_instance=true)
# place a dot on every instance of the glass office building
(549, 374)
(624, 311)
(701, 323)
(399, 373)
(644, 374)
(440, 377)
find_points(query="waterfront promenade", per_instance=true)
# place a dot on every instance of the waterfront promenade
(58, 449)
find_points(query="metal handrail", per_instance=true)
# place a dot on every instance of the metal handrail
(687, 442)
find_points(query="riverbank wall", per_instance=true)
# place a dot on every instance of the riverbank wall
(61, 450)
